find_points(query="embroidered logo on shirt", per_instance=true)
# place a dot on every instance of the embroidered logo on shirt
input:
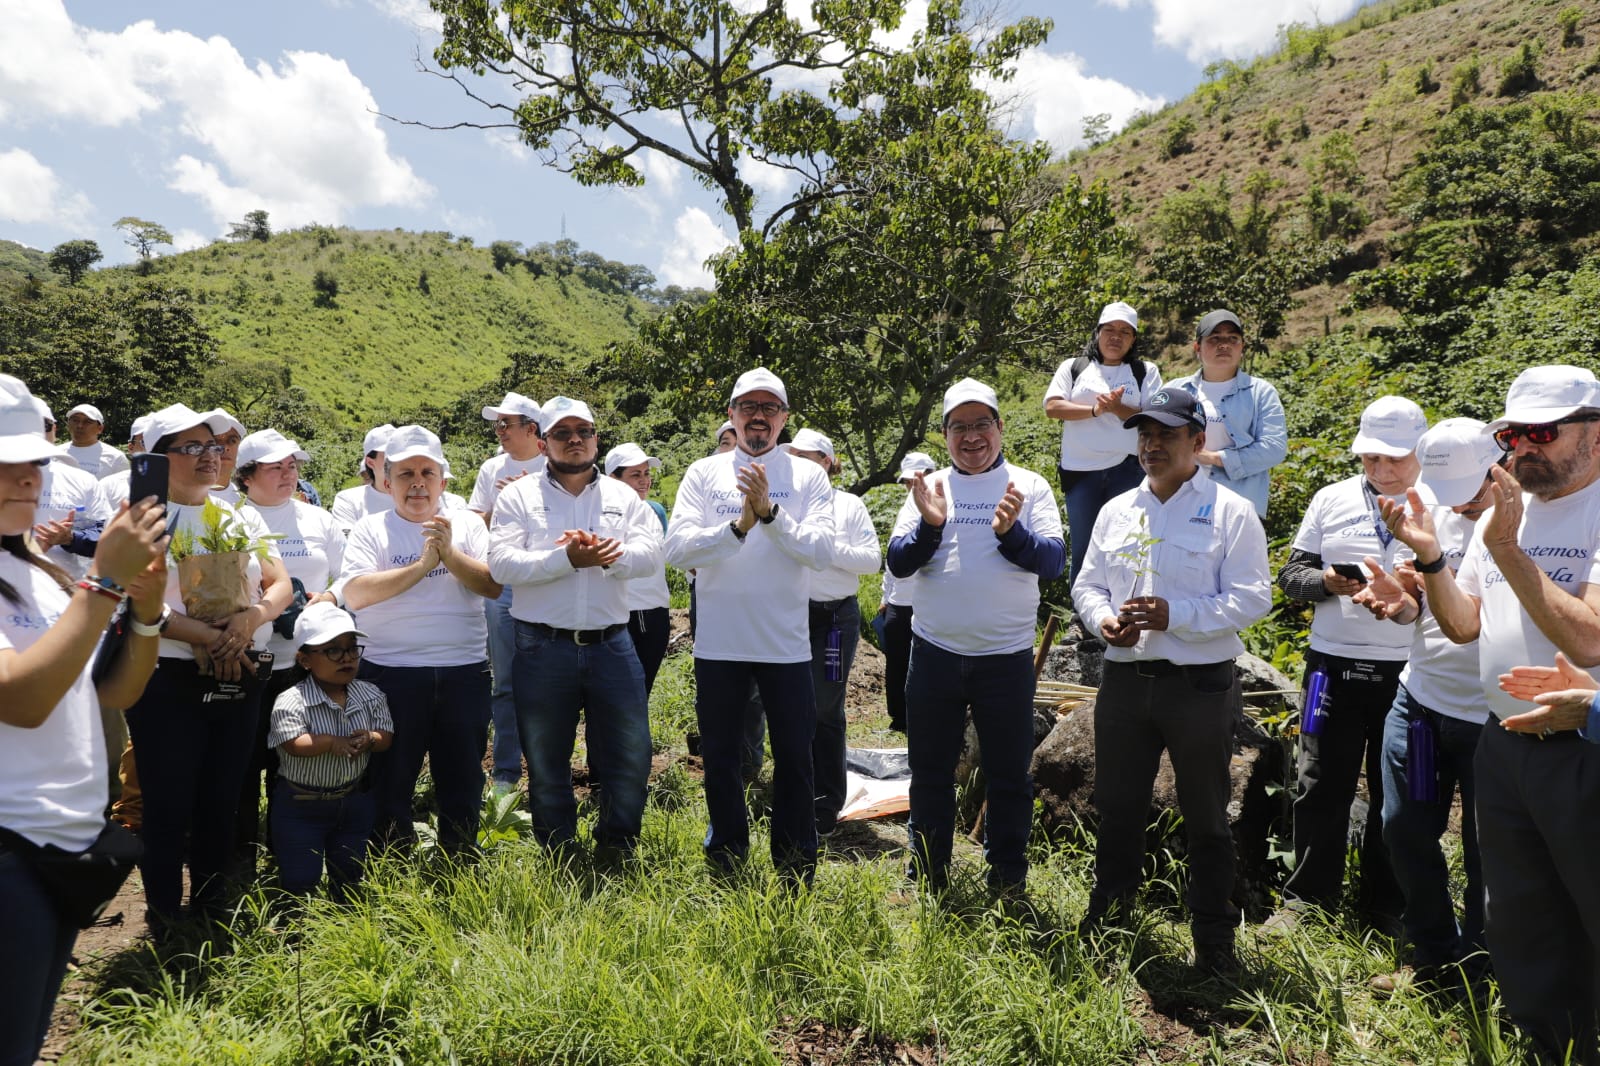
(1202, 517)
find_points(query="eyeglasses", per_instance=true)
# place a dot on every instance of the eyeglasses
(751, 407)
(564, 435)
(1225, 340)
(1544, 433)
(511, 423)
(961, 429)
(195, 448)
(341, 655)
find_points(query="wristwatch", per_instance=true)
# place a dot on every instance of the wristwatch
(151, 629)
(772, 513)
(1433, 567)
(737, 532)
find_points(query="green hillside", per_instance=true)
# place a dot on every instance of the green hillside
(19, 259)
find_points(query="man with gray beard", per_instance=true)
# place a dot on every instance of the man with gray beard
(1528, 587)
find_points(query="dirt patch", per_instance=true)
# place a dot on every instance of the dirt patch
(119, 931)
(815, 1043)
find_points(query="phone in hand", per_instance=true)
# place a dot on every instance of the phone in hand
(147, 477)
(1353, 571)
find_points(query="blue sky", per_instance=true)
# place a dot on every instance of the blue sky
(192, 112)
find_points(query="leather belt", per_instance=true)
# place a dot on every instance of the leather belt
(579, 637)
(1160, 667)
(315, 792)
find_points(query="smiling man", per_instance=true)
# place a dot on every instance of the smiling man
(979, 535)
(755, 522)
(1175, 569)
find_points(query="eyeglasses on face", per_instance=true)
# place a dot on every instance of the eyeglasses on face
(195, 448)
(961, 429)
(341, 655)
(511, 423)
(563, 435)
(1543, 433)
(751, 407)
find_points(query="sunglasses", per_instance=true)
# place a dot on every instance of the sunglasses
(1544, 433)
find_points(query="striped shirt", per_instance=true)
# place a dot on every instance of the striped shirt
(305, 708)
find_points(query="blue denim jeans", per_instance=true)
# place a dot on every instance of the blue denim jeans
(440, 713)
(307, 832)
(507, 748)
(827, 749)
(554, 680)
(1085, 492)
(35, 945)
(722, 698)
(1411, 829)
(940, 686)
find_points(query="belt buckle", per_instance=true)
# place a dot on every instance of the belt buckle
(577, 638)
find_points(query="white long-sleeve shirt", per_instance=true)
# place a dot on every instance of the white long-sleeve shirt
(1203, 551)
(855, 550)
(532, 514)
(753, 593)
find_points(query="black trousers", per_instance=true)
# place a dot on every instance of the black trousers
(896, 661)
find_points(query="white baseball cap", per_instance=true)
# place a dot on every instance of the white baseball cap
(1548, 394)
(809, 440)
(409, 441)
(1456, 456)
(228, 421)
(561, 407)
(21, 432)
(89, 410)
(516, 404)
(269, 446)
(758, 380)
(1390, 425)
(726, 427)
(916, 462)
(1119, 312)
(376, 440)
(179, 417)
(970, 390)
(44, 411)
(321, 622)
(140, 424)
(626, 455)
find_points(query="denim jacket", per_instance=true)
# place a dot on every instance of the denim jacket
(1254, 416)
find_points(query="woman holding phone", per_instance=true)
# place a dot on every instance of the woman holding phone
(53, 759)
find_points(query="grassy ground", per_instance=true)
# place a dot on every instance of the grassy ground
(525, 959)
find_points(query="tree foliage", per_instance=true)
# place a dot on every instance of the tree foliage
(74, 258)
(255, 227)
(143, 236)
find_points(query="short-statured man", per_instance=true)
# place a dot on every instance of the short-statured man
(755, 523)
(979, 535)
(1175, 569)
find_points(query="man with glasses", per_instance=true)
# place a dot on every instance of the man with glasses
(516, 422)
(567, 542)
(1438, 710)
(979, 535)
(1245, 432)
(1175, 569)
(1361, 659)
(755, 523)
(1529, 587)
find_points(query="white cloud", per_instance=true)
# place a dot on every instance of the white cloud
(1053, 95)
(1211, 29)
(695, 238)
(30, 193)
(187, 240)
(413, 13)
(301, 140)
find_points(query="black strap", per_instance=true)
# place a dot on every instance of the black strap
(1080, 364)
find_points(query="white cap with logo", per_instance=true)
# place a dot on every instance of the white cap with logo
(625, 455)
(759, 380)
(1456, 456)
(1390, 425)
(970, 390)
(1548, 394)
(809, 440)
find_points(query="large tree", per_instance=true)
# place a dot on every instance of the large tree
(143, 236)
(74, 258)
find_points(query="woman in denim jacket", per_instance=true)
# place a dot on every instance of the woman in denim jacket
(1245, 434)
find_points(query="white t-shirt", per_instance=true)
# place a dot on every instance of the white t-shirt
(969, 598)
(1341, 525)
(855, 550)
(352, 505)
(436, 622)
(115, 488)
(98, 459)
(1211, 393)
(1099, 442)
(67, 492)
(192, 517)
(312, 549)
(752, 594)
(52, 778)
(1441, 674)
(651, 591)
(495, 468)
(1560, 535)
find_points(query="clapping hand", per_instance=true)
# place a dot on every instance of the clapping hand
(1384, 595)
(929, 501)
(1007, 510)
(586, 549)
(1563, 692)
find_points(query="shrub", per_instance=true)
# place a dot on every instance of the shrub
(1179, 138)
(1568, 20)
(326, 286)
(1518, 74)
(1424, 80)
(1465, 81)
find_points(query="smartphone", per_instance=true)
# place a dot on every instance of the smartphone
(147, 477)
(1353, 571)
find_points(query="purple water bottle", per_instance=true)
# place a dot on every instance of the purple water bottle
(1422, 764)
(1313, 716)
(833, 657)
